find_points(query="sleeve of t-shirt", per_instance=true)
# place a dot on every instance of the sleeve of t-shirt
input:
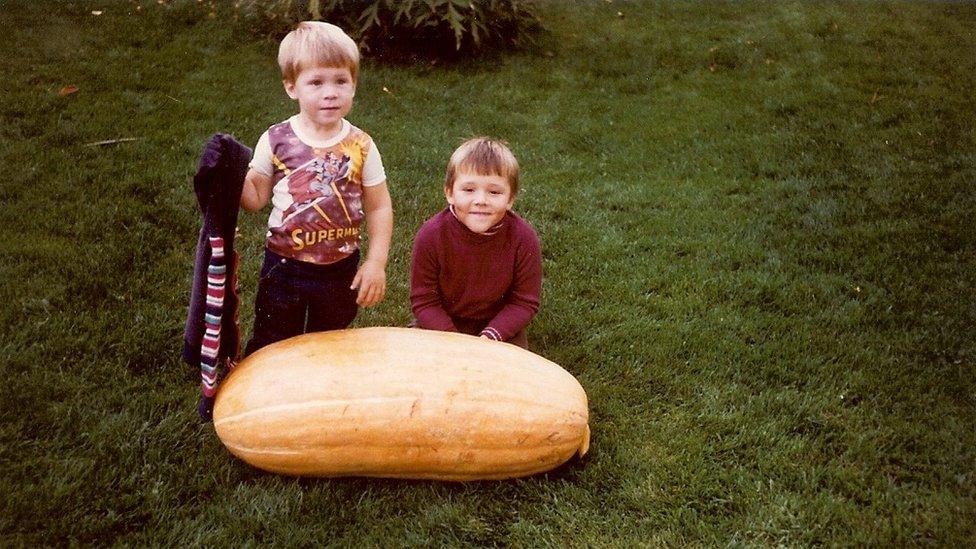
(523, 299)
(261, 161)
(425, 295)
(373, 172)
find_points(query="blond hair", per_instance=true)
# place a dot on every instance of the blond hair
(484, 156)
(317, 44)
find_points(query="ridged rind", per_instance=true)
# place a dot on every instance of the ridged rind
(403, 403)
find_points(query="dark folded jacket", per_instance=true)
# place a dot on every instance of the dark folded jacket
(218, 184)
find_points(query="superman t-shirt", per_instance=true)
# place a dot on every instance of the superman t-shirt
(317, 190)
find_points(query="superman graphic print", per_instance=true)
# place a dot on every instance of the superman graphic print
(317, 192)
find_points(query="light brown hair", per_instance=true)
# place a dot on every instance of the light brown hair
(484, 156)
(317, 44)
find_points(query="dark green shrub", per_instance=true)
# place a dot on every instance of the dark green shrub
(405, 28)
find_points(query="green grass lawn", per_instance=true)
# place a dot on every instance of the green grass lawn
(760, 262)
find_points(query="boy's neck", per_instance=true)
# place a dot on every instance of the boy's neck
(318, 132)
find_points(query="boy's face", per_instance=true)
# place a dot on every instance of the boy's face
(324, 96)
(480, 201)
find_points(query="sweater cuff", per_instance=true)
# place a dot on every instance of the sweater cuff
(491, 333)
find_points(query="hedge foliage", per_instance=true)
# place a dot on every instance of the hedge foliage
(405, 28)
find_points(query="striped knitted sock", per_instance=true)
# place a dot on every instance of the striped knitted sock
(216, 281)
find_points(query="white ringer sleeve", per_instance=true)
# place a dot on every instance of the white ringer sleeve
(373, 172)
(261, 161)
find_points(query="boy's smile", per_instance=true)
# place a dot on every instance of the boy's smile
(480, 201)
(324, 96)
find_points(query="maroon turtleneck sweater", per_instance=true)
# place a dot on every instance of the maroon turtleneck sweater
(480, 284)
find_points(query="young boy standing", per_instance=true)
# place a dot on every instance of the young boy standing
(324, 177)
(477, 266)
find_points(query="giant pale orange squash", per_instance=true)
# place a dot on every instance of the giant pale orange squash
(403, 403)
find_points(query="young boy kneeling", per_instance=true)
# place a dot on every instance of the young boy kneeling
(477, 266)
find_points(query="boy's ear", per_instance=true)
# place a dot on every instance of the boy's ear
(289, 88)
(449, 195)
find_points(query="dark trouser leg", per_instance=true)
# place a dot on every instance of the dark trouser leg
(331, 304)
(279, 311)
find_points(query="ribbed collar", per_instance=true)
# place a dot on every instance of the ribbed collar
(319, 144)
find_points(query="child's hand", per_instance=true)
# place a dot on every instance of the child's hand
(371, 282)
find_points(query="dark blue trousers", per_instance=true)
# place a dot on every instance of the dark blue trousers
(295, 297)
